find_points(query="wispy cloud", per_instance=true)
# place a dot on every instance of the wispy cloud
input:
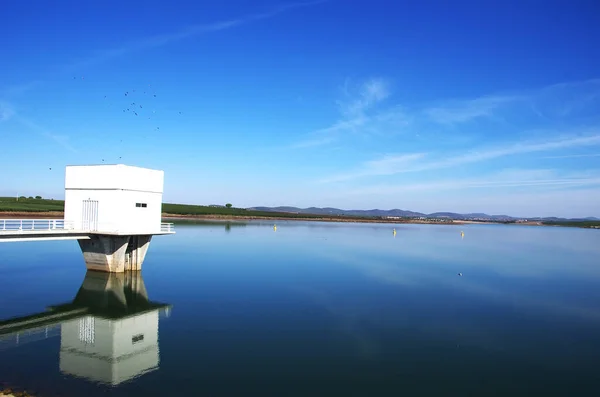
(457, 111)
(508, 178)
(160, 40)
(359, 114)
(370, 93)
(186, 33)
(413, 162)
(566, 99)
(19, 89)
(329, 134)
(368, 110)
(6, 111)
(62, 140)
(570, 156)
(517, 192)
(313, 142)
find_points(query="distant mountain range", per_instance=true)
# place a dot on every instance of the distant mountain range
(408, 214)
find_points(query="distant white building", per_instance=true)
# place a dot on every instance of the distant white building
(114, 199)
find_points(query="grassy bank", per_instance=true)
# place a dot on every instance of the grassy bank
(585, 224)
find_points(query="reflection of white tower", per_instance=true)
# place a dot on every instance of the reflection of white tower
(119, 339)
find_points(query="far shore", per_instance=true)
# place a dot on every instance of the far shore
(283, 218)
(174, 217)
(167, 217)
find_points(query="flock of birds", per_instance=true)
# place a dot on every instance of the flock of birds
(139, 107)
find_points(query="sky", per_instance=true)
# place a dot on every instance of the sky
(464, 106)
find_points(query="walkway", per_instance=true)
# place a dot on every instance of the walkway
(57, 229)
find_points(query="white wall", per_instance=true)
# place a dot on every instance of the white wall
(138, 219)
(117, 176)
(112, 339)
(117, 190)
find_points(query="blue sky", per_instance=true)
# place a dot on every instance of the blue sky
(428, 106)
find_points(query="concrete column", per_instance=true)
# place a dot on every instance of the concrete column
(112, 292)
(114, 254)
(136, 252)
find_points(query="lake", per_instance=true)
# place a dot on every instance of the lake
(314, 309)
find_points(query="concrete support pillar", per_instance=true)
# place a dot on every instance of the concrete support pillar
(112, 292)
(114, 254)
(136, 252)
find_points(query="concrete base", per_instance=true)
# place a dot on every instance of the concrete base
(114, 254)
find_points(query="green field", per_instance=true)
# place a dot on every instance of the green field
(586, 224)
(184, 209)
(30, 204)
(11, 204)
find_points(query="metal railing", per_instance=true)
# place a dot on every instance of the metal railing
(120, 228)
(34, 224)
(28, 225)
(167, 227)
(24, 337)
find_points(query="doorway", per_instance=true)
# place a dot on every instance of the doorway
(89, 219)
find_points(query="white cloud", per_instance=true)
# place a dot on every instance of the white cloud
(19, 89)
(388, 164)
(567, 200)
(454, 112)
(355, 110)
(569, 156)
(313, 142)
(503, 179)
(512, 191)
(567, 99)
(62, 140)
(191, 31)
(402, 163)
(363, 110)
(6, 111)
(369, 94)
(160, 40)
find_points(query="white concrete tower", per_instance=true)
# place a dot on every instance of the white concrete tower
(120, 206)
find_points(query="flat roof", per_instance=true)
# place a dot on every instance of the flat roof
(112, 165)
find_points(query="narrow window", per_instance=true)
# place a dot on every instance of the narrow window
(141, 205)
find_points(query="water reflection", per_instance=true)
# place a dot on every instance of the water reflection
(108, 333)
(210, 223)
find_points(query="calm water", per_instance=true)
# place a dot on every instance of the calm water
(314, 309)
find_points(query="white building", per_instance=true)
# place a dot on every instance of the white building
(114, 199)
(110, 351)
(118, 341)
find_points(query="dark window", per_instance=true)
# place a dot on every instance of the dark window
(142, 205)
(137, 338)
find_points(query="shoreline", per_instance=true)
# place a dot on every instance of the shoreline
(166, 216)
(173, 217)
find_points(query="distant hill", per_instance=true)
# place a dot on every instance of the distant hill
(31, 204)
(339, 212)
(407, 214)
